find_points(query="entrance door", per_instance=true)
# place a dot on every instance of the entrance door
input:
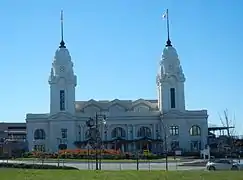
(146, 145)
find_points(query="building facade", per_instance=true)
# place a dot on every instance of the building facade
(13, 139)
(12, 131)
(158, 125)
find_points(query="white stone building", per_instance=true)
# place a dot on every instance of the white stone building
(130, 125)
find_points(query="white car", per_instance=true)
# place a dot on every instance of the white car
(222, 164)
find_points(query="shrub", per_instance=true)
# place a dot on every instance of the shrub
(34, 166)
(89, 154)
(75, 154)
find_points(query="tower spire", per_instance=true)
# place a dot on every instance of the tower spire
(62, 43)
(166, 15)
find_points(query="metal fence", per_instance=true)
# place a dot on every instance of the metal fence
(90, 164)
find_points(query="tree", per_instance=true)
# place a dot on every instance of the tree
(229, 123)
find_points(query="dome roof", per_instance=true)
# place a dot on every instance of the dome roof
(62, 54)
(169, 52)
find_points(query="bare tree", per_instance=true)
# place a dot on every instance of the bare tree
(229, 123)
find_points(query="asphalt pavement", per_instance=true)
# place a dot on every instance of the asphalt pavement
(117, 166)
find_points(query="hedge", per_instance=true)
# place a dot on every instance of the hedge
(34, 166)
(82, 154)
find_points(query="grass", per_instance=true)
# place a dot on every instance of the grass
(103, 160)
(7, 174)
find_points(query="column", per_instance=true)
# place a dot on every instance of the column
(134, 136)
(106, 135)
(129, 134)
(48, 148)
(154, 131)
(154, 137)
(103, 132)
(77, 130)
(82, 134)
(134, 132)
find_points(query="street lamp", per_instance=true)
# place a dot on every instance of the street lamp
(165, 139)
(102, 123)
(58, 158)
(93, 124)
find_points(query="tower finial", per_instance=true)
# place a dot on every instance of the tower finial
(166, 15)
(62, 43)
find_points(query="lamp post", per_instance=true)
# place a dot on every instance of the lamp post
(93, 124)
(166, 153)
(58, 158)
(165, 139)
(102, 123)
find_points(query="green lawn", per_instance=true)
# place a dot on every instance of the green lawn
(7, 174)
(103, 160)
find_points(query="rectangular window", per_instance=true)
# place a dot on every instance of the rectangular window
(64, 133)
(174, 130)
(40, 148)
(172, 98)
(17, 127)
(62, 100)
(195, 146)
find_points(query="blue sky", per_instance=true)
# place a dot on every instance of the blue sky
(116, 48)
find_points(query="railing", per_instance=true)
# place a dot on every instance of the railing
(15, 140)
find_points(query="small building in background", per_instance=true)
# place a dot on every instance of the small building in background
(13, 139)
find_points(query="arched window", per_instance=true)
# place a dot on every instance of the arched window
(144, 132)
(118, 132)
(195, 130)
(39, 134)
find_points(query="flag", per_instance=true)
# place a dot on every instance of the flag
(164, 15)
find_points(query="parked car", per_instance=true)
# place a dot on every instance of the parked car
(222, 164)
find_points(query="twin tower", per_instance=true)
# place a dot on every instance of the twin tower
(170, 81)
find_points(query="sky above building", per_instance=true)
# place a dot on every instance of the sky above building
(116, 48)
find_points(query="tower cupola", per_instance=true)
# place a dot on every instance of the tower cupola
(62, 80)
(170, 78)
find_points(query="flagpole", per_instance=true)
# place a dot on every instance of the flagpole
(168, 43)
(62, 43)
(62, 25)
(168, 26)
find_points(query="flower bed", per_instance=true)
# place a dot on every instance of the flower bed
(88, 154)
(77, 154)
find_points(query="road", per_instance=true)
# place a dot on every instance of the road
(117, 166)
